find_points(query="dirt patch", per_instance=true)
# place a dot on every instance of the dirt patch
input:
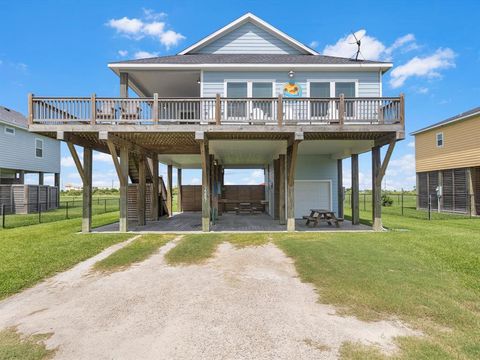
(243, 304)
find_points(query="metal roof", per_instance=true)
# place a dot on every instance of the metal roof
(13, 117)
(452, 119)
(198, 59)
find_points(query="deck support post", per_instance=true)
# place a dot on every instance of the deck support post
(291, 163)
(41, 178)
(155, 188)
(57, 185)
(123, 178)
(87, 191)
(340, 187)
(355, 191)
(205, 186)
(179, 190)
(169, 190)
(376, 190)
(141, 190)
(281, 190)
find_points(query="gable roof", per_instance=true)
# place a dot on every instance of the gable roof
(12, 117)
(249, 17)
(453, 119)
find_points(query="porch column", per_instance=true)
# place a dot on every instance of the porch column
(214, 185)
(376, 190)
(340, 187)
(87, 191)
(355, 191)
(291, 163)
(155, 188)
(21, 177)
(169, 190)
(57, 185)
(124, 155)
(281, 189)
(123, 85)
(41, 178)
(179, 190)
(141, 193)
(205, 186)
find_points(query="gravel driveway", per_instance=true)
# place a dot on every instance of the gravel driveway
(243, 304)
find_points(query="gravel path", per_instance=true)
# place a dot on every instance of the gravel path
(242, 304)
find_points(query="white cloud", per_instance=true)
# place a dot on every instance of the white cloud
(102, 157)
(314, 44)
(67, 161)
(422, 90)
(371, 48)
(150, 26)
(426, 67)
(400, 173)
(411, 144)
(122, 53)
(144, 54)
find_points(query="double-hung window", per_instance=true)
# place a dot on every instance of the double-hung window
(258, 108)
(39, 148)
(439, 138)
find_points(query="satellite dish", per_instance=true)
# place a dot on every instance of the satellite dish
(358, 41)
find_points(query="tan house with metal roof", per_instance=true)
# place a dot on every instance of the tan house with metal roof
(447, 156)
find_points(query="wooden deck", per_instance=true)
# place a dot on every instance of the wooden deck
(192, 222)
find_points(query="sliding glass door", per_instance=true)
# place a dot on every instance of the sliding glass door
(252, 109)
(348, 90)
(237, 108)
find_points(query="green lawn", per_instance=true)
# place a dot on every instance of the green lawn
(137, 251)
(15, 347)
(30, 254)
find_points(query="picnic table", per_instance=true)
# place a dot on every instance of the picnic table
(317, 215)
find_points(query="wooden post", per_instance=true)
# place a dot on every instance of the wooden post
(280, 110)
(281, 189)
(340, 187)
(355, 191)
(30, 109)
(57, 185)
(218, 110)
(205, 186)
(471, 191)
(376, 190)
(93, 111)
(291, 163)
(341, 109)
(141, 190)
(87, 191)
(179, 190)
(21, 177)
(155, 108)
(402, 109)
(155, 185)
(124, 155)
(41, 178)
(123, 85)
(170, 190)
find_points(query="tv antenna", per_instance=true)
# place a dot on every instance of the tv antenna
(358, 40)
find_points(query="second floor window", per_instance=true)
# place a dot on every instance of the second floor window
(439, 138)
(319, 108)
(348, 90)
(9, 130)
(39, 148)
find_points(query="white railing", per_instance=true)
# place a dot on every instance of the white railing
(221, 111)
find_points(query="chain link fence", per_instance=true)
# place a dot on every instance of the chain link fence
(45, 212)
(429, 207)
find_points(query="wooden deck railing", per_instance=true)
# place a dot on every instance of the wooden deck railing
(221, 111)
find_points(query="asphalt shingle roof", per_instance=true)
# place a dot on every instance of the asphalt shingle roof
(197, 59)
(449, 120)
(12, 117)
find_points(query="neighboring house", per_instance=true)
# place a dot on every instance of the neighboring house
(21, 153)
(447, 158)
(246, 96)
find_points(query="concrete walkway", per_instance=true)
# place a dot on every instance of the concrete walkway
(242, 304)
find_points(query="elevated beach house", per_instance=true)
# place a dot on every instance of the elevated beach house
(246, 96)
(22, 153)
(447, 160)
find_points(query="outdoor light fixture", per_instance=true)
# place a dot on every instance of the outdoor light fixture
(291, 73)
(198, 81)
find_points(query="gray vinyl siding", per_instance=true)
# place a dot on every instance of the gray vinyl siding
(319, 167)
(248, 39)
(368, 81)
(18, 151)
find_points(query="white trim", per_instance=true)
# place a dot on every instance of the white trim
(43, 148)
(249, 85)
(9, 128)
(329, 181)
(240, 21)
(380, 82)
(355, 81)
(436, 139)
(201, 83)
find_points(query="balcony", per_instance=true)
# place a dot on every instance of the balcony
(216, 111)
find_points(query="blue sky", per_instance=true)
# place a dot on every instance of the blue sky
(56, 48)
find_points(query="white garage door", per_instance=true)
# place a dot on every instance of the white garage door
(312, 195)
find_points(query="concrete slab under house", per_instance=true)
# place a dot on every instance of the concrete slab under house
(248, 96)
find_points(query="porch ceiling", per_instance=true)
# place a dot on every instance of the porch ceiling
(165, 83)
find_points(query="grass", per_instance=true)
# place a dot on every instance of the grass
(426, 275)
(137, 251)
(197, 248)
(30, 254)
(13, 346)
